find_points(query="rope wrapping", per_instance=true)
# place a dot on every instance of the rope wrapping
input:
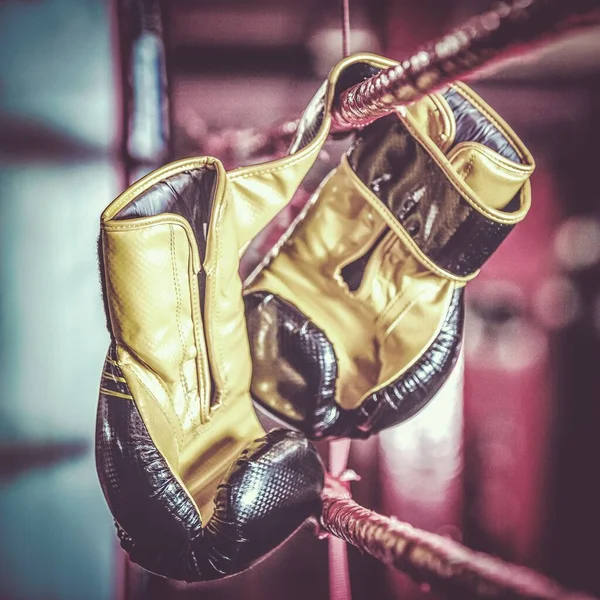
(345, 28)
(507, 29)
(428, 558)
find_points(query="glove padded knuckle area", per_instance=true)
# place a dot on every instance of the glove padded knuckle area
(295, 371)
(272, 488)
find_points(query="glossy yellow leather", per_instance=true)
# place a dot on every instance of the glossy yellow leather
(381, 329)
(167, 347)
(492, 178)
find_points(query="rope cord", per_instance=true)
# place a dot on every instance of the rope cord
(428, 558)
(509, 28)
(345, 28)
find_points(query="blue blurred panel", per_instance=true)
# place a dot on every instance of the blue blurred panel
(53, 53)
(57, 536)
(58, 121)
(53, 334)
(57, 541)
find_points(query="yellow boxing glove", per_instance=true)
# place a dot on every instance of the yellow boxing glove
(355, 318)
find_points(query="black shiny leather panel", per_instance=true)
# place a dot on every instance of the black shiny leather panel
(160, 526)
(312, 118)
(306, 350)
(187, 194)
(474, 126)
(272, 488)
(402, 174)
(293, 353)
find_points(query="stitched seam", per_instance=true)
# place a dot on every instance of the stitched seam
(157, 176)
(395, 299)
(373, 268)
(178, 320)
(427, 346)
(147, 222)
(198, 332)
(178, 439)
(113, 377)
(158, 404)
(285, 165)
(112, 226)
(393, 302)
(116, 394)
(419, 255)
(132, 354)
(478, 206)
(204, 427)
(448, 121)
(468, 168)
(401, 313)
(143, 222)
(496, 159)
(217, 233)
(352, 257)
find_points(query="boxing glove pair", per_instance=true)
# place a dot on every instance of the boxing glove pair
(349, 326)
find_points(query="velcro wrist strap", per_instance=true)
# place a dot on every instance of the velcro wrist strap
(428, 198)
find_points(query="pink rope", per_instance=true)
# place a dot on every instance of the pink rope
(345, 28)
(510, 27)
(339, 573)
(446, 565)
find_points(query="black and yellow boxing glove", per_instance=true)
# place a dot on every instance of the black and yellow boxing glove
(355, 317)
(197, 488)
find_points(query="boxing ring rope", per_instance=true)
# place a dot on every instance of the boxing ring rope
(508, 29)
(430, 559)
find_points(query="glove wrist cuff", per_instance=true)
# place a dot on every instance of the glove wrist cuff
(456, 205)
